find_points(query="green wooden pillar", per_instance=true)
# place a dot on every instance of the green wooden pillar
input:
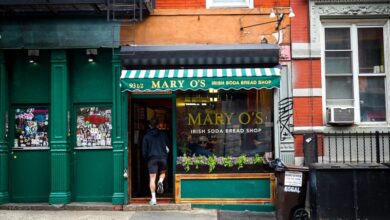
(3, 139)
(59, 125)
(117, 133)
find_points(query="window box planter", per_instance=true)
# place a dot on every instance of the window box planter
(214, 164)
(250, 168)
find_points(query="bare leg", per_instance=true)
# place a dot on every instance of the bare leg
(162, 175)
(152, 182)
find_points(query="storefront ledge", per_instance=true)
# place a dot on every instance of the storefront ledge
(238, 207)
(162, 207)
(71, 206)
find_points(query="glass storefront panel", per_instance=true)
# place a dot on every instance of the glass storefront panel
(31, 127)
(94, 127)
(225, 123)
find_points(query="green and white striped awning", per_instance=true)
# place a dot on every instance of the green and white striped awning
(199, 79)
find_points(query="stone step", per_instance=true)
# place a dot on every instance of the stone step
(98, 206)
(158, 207)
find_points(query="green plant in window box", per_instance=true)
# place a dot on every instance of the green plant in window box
(257, 159)
(228, 162)
(198, 161)
(212, 163)
(241, 161)
(187, 163)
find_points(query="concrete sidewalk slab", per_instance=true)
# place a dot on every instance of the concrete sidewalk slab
(246, 215)
(107, 215)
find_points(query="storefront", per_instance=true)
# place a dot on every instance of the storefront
(218, 111)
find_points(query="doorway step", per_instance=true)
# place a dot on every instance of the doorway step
(98, 206)
(163, 204)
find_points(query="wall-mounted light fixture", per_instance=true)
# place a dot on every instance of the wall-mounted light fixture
(276, 12)
(91, 55)
(33, 56)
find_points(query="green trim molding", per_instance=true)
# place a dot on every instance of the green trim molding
(118, 197)
(59, 125)
(4, 197)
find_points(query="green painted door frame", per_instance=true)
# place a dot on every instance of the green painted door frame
(171, 96)
(4, 197)
(59, 129)
(118, 132)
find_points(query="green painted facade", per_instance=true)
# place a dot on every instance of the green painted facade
(59, 33)
(4, 192)
(62, 80)
(93, 176)
(30, 176)
(225, 188)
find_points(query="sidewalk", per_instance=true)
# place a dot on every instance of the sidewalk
(103, 211)
(107, 215)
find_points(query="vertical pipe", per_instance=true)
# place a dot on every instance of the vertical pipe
(377, 147)
(335, 140)
(342, 137)
(350, 148)
(329, 148)
(364, 147)
(371, 146)
(357, 148)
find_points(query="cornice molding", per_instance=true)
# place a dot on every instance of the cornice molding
(346, 11)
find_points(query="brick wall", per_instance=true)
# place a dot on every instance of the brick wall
(306, 73)
(182, 4)
(300, 24)
(307, 111)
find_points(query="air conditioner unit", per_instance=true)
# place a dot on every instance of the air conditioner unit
(341, 115)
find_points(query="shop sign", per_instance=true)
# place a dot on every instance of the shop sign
(200, 79)
(199, 84)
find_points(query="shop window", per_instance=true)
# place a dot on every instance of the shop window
(355, 73)
(225, 123)
(94, 127)
(229, 3)
(31, 127)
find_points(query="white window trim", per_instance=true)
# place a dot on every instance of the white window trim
(353, 25)
(210, 4)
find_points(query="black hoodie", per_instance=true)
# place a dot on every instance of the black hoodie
(154, 145)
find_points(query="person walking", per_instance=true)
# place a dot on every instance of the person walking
(155, 151)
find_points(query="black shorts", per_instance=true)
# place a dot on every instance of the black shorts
(155, 165)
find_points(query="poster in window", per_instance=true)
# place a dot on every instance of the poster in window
(31, 127)
(94, 127)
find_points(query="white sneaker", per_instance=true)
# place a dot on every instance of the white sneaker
(152, 202)
(160, 188)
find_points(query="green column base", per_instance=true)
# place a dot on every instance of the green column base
(118, 199)
(59, 198)
(4, 197)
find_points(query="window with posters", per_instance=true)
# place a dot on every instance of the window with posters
(93, 127)
(31, 128)
(225, 122)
